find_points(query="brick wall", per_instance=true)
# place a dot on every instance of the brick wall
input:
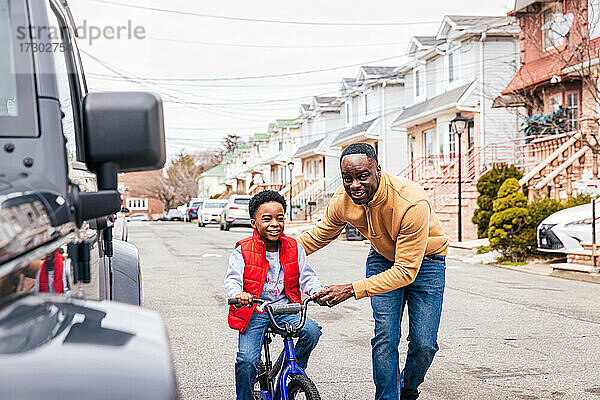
(140, 185)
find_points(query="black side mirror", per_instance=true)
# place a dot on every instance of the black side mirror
(123, 132)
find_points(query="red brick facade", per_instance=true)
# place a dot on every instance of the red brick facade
(540, 63)
(137, 192)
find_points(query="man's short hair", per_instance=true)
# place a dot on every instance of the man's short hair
(263, 197)
(360, 148)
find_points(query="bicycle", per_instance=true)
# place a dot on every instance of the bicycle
(270, 385)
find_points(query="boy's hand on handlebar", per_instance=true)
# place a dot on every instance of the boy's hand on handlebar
(244, 299)
(334, 294)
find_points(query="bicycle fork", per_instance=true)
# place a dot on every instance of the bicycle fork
(290, 368)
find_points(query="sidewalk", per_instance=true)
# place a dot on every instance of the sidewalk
(467, 252)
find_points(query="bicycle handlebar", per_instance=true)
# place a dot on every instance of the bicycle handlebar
(280, 309)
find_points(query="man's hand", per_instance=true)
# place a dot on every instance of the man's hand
(334, 294)
(244, 298)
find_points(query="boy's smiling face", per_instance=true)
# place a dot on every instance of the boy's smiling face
(269, 221)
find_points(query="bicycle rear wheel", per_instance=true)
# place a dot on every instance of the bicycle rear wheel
(302, 388)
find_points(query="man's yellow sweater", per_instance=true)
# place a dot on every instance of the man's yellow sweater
(399, 223)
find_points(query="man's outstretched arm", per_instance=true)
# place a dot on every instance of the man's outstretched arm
(410, 249)
(324, 232)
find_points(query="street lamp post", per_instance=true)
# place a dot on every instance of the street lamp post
(291, 167)
(459, 124)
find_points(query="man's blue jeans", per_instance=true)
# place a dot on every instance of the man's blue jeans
(424, 299)
(250, 342)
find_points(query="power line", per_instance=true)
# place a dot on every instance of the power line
(268, 76)
(276, 46)
(269, 21)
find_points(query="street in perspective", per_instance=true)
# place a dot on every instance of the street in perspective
(504, 334)
(299, 200)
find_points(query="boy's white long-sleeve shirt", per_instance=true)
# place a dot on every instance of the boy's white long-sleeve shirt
(274, 289)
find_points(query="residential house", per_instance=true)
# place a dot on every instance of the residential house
(211, 183)
(320, 123)
(138, 192)
(319, 160)
(461, 69)
(557, 81)
(369, 104)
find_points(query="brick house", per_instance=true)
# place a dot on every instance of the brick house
(136, 192)
(559, 51)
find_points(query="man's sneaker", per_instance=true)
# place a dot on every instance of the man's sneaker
(408, 394)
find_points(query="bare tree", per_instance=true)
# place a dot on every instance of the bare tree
(573, 54)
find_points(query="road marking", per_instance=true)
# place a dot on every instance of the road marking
(205, 255)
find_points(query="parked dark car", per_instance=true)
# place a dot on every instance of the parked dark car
(61, 149)
(353, 234)
(193, 209)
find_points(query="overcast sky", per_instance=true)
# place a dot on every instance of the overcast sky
(190, 54)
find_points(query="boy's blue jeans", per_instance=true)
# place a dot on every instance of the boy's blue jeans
(424, 299)
(250, 342)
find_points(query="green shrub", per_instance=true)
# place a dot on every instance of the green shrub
(577, 200)
(510, 218)
(483, 249)
(488, 186)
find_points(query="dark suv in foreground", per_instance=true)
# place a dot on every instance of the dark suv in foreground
(61, 149)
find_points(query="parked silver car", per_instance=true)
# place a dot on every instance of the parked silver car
(210, 212)
(235, 212)
(566, 229)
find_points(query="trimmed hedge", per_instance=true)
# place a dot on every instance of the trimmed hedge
(488, 186)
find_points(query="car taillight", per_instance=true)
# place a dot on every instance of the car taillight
(233, 208)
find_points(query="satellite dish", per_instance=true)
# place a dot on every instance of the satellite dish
(560, 25)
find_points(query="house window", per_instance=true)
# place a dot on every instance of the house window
(348, 112)
(428, 143)
(281, 141)
(594, 18)
(137, 204)
(411, 148)
(451, 67)
(555, 103)
(366, 103)
(572, 111)
(552, 38)
(309, 169)
(451, 141)
(419, 83)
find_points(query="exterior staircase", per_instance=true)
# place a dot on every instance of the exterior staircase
(318, 191)
(559, 161)
(438, 175)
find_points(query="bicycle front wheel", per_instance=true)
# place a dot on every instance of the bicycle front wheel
(302, 388)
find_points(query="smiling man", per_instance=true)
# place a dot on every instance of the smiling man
(406, 265)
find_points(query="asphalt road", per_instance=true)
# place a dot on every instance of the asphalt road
(504, 334)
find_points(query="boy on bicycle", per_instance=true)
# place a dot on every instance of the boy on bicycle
(273, 267)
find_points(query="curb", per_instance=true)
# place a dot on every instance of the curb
(548, 271)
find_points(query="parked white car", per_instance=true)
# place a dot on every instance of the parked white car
(138, 217)
(210, 212)
(235, 212)
(175, 215)
(566, 229)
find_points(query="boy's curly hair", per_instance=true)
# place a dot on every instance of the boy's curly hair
(264, 197)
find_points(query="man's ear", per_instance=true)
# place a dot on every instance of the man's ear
(253, 223)
(379, 171)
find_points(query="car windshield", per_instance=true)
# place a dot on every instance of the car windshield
(243, 202)
(196, 204)
(214, 204)
(17, 100)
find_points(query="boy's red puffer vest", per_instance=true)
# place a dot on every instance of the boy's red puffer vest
(255, 274)
(58, 274)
